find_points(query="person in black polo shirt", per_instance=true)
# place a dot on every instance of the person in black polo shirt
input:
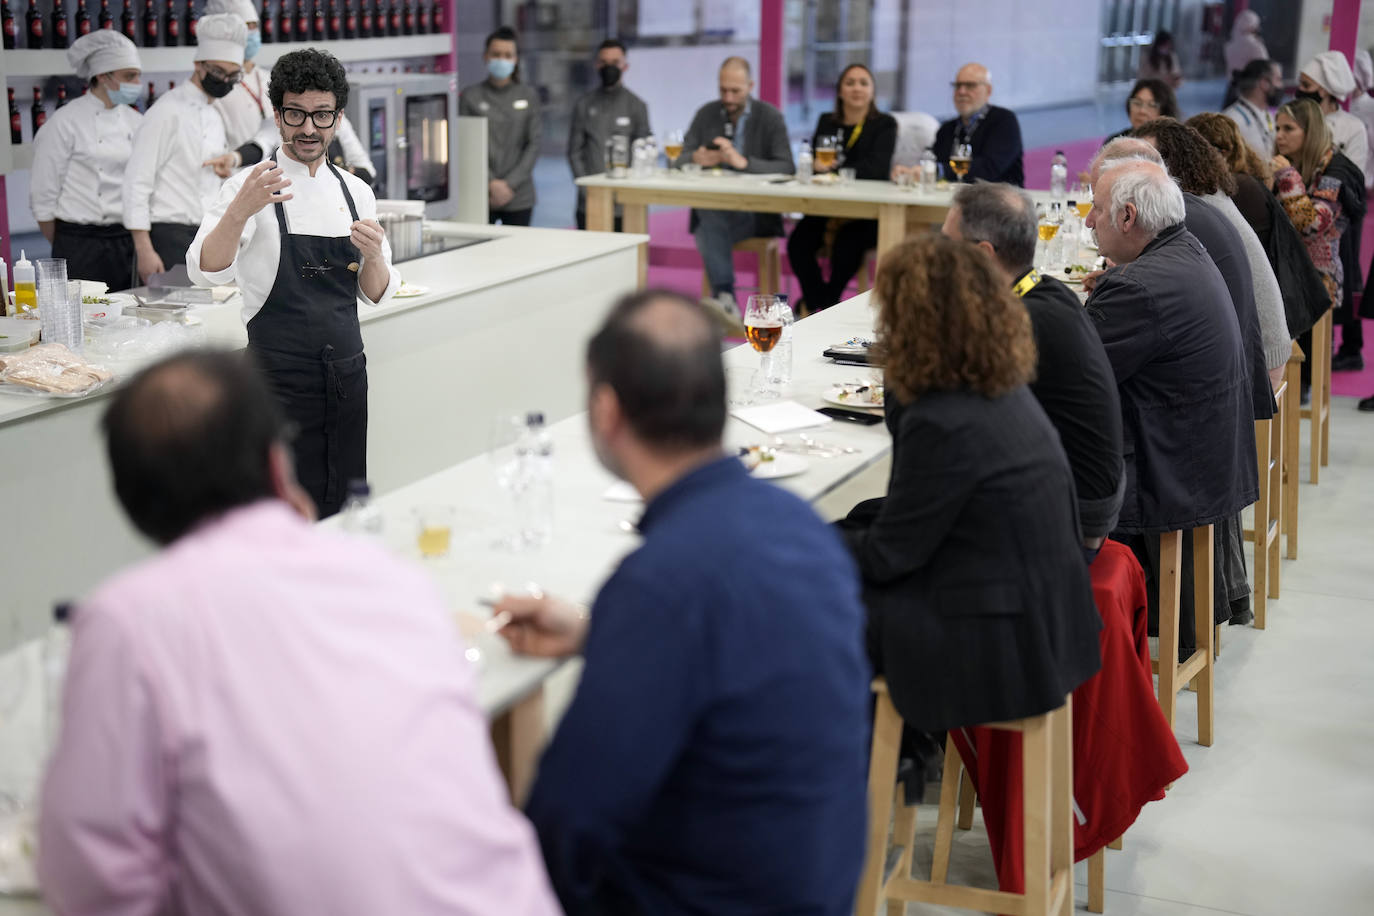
(1073, 377)
(994, 133)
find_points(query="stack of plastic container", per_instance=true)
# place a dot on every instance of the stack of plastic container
(59, 304)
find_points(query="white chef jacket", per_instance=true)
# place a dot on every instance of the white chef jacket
(246, 107)
(165, 181)
(1348, 136)
(79, 159)
(1362, 107)
(1256, 127)
(317, 207)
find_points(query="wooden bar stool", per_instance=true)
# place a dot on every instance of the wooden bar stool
(1269, 507)
(1319, 412)
(1292, 453)
(768, 272)
(1047, 775)
(1173, 674)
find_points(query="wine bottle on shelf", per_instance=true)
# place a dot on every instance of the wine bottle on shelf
(11, 31)
(171, 25)
(302, 20)
(436, 17)
(83, 19)
(267, 25)
(61, 94)
(106, 20)
(16, 123)
(192, 20)
(318, 26)
(365, 18)
(285, 21)
(422, 17)
(35, 26)
(127, 23)
(408, 17)
(40, 114)
(152, 30)
(350, 20)
(59, 24)
(335, 21)
(395, 24)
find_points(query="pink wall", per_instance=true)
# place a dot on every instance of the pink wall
(772, 53)
(1345, 26)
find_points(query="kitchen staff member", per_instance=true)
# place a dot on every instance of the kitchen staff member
(168, 182)
(604, 112)
(76, 189)
(301, 239)
(513, 126)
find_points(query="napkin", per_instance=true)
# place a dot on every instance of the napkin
(781, 417)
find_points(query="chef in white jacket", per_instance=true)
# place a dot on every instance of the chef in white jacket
(169, 181)
(76, 188)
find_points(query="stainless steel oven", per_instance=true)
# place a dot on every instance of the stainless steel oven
(405, 122)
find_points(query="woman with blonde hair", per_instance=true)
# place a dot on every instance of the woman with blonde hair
(979, 602)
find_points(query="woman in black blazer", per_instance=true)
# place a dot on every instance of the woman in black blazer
(980, 607)
(869, 137)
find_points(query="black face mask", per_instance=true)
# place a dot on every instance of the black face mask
(215, 87)
(1314, 95)
(1275, 98)
(610, 75)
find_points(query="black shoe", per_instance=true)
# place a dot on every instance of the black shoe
(1367, 405)
(1245, 617)
(1347, 362)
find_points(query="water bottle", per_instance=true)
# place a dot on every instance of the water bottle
(534, 455)
(930, 171)
(804, 160)
(782, 351)
(360, 516)
(1059, 175)
(57, 647)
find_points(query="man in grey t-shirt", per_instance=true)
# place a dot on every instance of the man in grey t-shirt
(511, 108)
(601, 114)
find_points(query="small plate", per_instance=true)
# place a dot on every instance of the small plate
(782, 465)
(410, 292)
(852, 401)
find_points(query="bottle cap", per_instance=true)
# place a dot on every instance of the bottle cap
(23, 261)
(534, 418)
(62, 611)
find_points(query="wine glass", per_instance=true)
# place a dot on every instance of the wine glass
(960, 158)
(672, 147)
(763, 326)
(1051, 218)
(825, 153)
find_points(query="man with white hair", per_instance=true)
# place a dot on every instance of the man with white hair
(169, 180)
(992, 132)
(1180, 365)
(1327, 80)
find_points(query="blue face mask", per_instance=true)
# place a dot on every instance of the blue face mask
(127, 94)
(253, 45)
(500, 68)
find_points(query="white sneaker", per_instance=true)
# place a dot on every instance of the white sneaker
(726, 312)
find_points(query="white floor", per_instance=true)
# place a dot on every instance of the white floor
(1277, 817)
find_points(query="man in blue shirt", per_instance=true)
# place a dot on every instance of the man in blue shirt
(714, 757)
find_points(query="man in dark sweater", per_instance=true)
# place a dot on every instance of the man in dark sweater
(1073, 378)
(714, 757)
(994, 133)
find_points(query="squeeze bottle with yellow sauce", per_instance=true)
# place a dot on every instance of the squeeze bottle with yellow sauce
(25, 289)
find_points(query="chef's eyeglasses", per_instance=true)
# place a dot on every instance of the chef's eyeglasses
(295, 117)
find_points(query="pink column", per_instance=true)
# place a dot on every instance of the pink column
(772, 54)
(1345, 26)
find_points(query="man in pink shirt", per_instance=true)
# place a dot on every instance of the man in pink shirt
(266, 718)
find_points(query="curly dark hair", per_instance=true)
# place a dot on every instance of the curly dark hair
(947, 321)
(1222, 133)
(308, 70)
(1163, 94)
(1193, 162)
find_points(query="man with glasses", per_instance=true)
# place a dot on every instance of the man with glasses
(992, 132)
(168, 179)
(301, 239)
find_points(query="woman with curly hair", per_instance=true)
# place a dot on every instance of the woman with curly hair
(979, 602)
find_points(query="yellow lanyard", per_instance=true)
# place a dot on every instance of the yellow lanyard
(854, 137)
(1027, 283)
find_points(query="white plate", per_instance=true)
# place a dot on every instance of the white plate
(410, 292)
(833, 397)
(782, 465)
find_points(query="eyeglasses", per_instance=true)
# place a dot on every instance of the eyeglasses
(219, 74)
(1143, 105)
(295, 117)
(966, 86)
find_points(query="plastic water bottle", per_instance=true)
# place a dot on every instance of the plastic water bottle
(534, 455)
(782, 351)
(804, 162)
(57, 647)
(1059, 175)
(360, 516)
(930, 171)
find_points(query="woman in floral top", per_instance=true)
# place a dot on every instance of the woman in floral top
(1311, 197)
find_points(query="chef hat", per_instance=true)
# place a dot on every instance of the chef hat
(1330, 70)
(244, 9)
(1364, 71)
(102, 51)
(1246, 22)
(221, 37)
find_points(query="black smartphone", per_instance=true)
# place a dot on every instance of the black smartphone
(852, 416)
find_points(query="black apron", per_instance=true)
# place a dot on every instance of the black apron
(307, 342)
(95, 252)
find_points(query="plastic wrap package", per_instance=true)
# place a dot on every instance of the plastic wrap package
(126, 344)
(50, 370)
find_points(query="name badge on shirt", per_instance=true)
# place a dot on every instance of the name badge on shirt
(622, 122)
(521, 104)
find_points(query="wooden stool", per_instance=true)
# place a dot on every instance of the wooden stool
(1173, 675)
(1292, 456)
(1047, 796)
(768, 250)
(1269, 507)
(1319, 412)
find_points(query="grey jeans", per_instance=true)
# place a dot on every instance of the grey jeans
(717, 233)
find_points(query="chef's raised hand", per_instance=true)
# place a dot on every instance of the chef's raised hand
(367, 235)
(266, 184)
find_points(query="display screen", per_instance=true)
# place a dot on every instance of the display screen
(427, 150)
(376, 140)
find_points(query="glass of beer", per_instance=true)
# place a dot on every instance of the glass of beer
(1051, 218)
(824, 154)
(672, 147)
(763, 326)
(959, 160)
(434, 530)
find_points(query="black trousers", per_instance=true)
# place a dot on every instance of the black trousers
(104, 253)
(511, 217)
(853, 239)
(170, 241)
(1146, 550)
(1352, 337)
(582, 221)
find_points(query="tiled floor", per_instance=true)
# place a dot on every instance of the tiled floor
(1277, 817)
